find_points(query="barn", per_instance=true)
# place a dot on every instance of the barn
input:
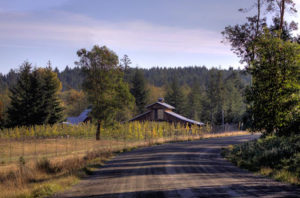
(82, 118)
(163, 112)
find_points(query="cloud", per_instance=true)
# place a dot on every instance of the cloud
(62, 28)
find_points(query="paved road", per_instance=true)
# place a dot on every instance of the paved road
(186, 169)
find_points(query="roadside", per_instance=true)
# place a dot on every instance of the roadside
(182, 169)
(272, 156)
(45, 177)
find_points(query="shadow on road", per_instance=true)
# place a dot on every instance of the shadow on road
(186, 169)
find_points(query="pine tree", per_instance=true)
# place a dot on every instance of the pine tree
(52, 104)
(139, 90)
(215, 95)
(20, 109)
(33, 98)
(1, 115)
(195, 102)
(176, 98)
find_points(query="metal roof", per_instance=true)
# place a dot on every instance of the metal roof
(81, 118)
(184, 118)
(163, 104)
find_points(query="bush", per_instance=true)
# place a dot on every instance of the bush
(277, 153)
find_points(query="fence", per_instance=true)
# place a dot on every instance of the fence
(63, 141)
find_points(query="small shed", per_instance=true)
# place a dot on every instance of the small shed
(163, 112)
(82, 118)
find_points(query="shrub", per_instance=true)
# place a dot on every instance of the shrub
(278, 153)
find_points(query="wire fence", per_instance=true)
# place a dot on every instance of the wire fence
(56, 141)
(63, 141)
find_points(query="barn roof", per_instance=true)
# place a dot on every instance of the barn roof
(136, 117)
(180, 117)
(162, 104)
(81, 118)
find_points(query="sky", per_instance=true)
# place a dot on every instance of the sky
(166, 33)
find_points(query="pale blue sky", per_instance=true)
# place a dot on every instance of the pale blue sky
(152, 32)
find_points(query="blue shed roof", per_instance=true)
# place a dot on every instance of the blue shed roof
(81, 118)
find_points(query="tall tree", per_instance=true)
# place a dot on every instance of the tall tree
(280, 7)
(34, 98)
(126, 62)
(1, 115)
(175, 97)
(215, 95)
(104, 84)
(242, 37)
(194, 102)
(234, 105)
(139, 90)
(51, 87)
(275, 89)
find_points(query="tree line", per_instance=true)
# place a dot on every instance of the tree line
(192, 90)
(264, 97)
(272, 56)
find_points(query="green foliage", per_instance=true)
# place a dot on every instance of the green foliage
(175, 97)
(139, 90)
(278, 153)
(216, 96)
(74, 102)
(194, 102)
(1, 115)
(34, 98)
(103, 83)
(234, 81)
(274, 94)
(128, 131)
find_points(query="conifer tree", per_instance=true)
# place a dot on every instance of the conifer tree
(175, 97)
(51, 87)
(139, 90)
(34, 98)
(194, 102)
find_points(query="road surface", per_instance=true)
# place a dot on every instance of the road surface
(185, 169)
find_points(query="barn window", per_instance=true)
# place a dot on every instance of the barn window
(160, 114)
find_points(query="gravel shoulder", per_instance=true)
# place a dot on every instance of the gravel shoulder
(185, 169)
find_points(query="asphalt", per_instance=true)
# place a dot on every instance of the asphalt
(185, 169)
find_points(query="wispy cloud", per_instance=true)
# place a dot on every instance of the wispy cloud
(74, 29)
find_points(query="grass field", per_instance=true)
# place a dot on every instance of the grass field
(37, 166)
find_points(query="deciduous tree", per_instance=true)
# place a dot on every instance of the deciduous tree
(104, 84)
(274, 93)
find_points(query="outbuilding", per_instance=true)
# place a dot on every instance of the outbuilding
(163, 112)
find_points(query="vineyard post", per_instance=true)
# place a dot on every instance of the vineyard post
(56, 146)
(23, 145)
(10, 159)
(35, 153)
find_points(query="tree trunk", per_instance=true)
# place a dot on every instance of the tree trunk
(98, 130)
(258, 17)
(282, 10)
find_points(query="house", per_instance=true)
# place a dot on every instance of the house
(82, 118)
(163, 112)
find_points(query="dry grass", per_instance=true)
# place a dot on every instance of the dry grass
(51, 165)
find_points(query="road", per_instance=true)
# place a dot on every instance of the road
(185, 169)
